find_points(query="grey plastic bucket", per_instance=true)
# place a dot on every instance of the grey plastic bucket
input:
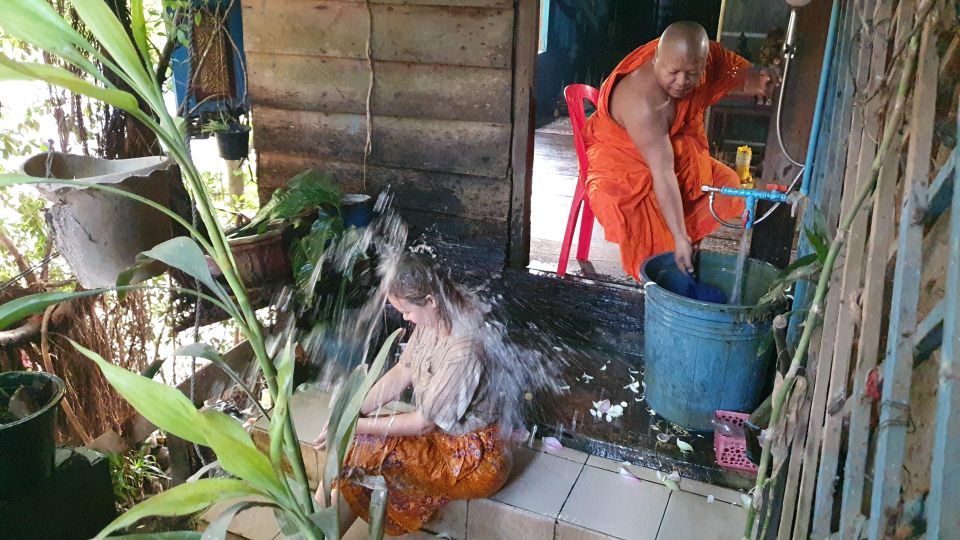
(701, 357)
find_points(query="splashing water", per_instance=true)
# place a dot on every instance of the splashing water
(338, 327)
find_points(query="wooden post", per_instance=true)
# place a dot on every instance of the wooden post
(943, 501)
(521, 155)
(898, 362)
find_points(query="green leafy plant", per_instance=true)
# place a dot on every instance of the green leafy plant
(259, 475)
(304, 192)
(216, 126)
(131, 473)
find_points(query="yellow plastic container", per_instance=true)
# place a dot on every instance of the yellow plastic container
(744, 154)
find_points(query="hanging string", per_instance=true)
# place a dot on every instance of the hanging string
(368, 148)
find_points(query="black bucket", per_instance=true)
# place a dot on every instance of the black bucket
(234, 143)
(27, 444)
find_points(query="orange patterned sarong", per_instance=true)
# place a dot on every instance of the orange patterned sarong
(424, 473)
(619, 183)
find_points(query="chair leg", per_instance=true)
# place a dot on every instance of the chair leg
(586, 231)
(568, 234)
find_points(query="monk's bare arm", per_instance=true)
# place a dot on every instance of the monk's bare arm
(649, 132)
(758, 81)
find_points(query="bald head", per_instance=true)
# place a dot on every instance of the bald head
(681, 58)
(685, 38)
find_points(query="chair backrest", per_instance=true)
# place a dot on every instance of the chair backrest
(574, 95)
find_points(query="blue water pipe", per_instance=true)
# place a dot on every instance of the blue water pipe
(751, 196)
(821, 98)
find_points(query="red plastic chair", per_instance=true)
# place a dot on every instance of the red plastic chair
(575, 94)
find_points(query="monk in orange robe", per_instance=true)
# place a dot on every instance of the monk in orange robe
(647, 150)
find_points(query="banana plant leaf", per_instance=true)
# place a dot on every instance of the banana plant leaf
(34, 304)
(183, 499)
(278, 423)
(182, 253)
(11, 70)
(163, 405)
(346, 408)
(217, 529)
(238, 455)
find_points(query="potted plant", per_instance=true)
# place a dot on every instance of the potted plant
(28, 406)
(233, 137)
(127, 57)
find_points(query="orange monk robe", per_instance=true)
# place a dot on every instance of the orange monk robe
(620, 184)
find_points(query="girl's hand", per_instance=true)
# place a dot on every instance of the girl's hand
(320, 443)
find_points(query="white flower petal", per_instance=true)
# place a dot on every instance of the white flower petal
(711, 498)
(551, 445)
(623, 403)
(684, 446)
(675, 476)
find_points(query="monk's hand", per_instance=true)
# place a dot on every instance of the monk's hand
(320, 443)
(683, 255)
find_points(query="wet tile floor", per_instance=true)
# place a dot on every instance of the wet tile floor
(638, 435)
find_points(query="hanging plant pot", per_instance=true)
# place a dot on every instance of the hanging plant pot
(101, 233)
(234, 143)
(28, 406)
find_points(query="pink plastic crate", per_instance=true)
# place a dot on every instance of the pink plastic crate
(731, 452)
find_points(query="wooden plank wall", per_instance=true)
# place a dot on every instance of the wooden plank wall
(442, 102)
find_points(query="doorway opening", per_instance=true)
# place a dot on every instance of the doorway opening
(581, 42)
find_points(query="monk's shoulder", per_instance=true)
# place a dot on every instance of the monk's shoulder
(637, 98)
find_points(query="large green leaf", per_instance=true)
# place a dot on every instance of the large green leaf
(163, 405)
(37, 23)
(138, 26)
(281, 411)
(346, 408)
(334, 460)
(103, 23)
(182, 253)
(11, 70)
(183, 499)
(344, 434)
(238, 455)
(378, 507)
(217, 529)
(327, 521)
(34, 304)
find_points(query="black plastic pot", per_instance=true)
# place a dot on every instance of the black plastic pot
(234, 144)
(27, 445)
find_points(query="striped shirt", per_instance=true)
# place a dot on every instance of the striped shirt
(450, 385)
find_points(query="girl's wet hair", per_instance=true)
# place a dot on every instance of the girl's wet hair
(418, 278)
